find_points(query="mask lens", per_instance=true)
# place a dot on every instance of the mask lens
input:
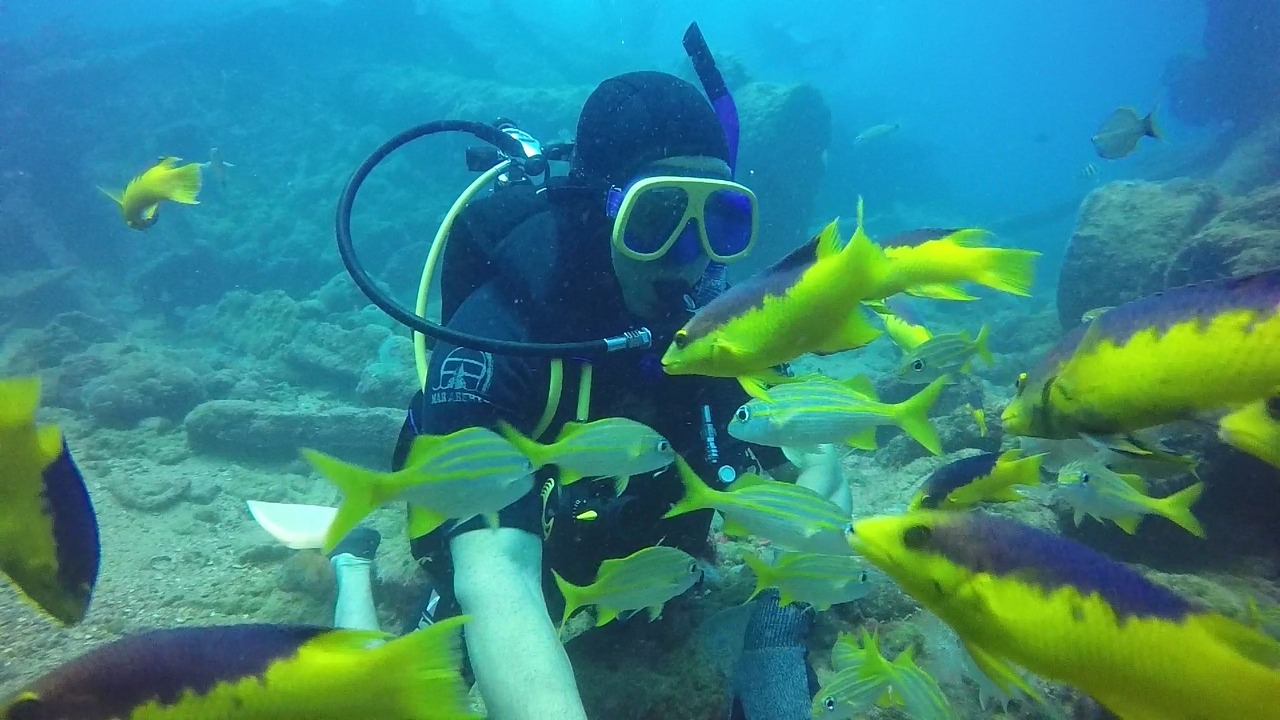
(728, 222)
(654, 218)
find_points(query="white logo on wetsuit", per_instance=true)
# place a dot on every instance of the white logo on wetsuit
(465, 376)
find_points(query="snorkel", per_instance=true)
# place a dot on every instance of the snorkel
(519, 157)
(714, 280)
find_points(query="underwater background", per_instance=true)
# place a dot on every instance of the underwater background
(188, 363)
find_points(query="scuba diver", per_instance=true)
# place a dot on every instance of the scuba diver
(637, 232)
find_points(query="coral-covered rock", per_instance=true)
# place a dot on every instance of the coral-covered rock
(1254, 161)
(326, 355)
(1125, 238)
(44, 349)
(141, 383)
(1241, 240)
(272, 431)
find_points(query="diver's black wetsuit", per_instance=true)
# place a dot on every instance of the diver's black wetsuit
(548, 279)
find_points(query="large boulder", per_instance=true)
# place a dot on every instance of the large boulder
(1125, 238)
(261, 432)
(1241, 240)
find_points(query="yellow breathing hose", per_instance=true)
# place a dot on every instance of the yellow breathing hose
(433, 259)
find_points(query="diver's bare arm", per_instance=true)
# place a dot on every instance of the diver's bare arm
(820, 470)
(515, 651)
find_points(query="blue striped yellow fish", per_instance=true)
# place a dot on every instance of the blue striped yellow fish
(1021, 596)
(48, 531)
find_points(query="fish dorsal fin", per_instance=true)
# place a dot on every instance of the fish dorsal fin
(862, 385)
(967, 237)
(828, 241)
(115, 195)
(570, 429)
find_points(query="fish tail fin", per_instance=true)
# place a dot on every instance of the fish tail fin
(762, 571)
(537, 453)
(1177, 508)
(116, 196)
(418, 670)
(697, 495)
(912, 415)
(1017, 471)
(1151, 126)
(1008, 270)
(359, 493)
(19, 399)
(182, 185)
(574, 597)
(980, 344)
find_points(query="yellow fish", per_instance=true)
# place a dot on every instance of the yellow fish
(985, 477)
(1018, 595)
(257, 672)
(48, 532)
(808, 302)
(165, 180)
(1157, 359)
(900, 324)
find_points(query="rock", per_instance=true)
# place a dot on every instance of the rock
(786, 130)
(1242, 240)
(140, 384)
(274, 431)
(1125, 239)
(68, 334)
(149, 493)
(1254, 161)
(324, 354)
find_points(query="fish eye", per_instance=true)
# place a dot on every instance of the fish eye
(1084, 476)
(693, 567)
(663, 445)
(917, 536)
(743, 414)
(1021, 384)
(863, 576)
(918, 365)
(681, 339)
(829, 703)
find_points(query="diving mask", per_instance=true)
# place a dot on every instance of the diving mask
(669, 215)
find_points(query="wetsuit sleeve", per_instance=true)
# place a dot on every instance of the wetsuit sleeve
(468, 388)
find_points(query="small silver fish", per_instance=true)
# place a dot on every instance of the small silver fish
(945, 354)
(1093, 489)
(644, 580)
(875, 132)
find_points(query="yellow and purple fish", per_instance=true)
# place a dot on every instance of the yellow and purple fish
(1020, 596)
(931, 262)
(1157, 359)
(140, 200)
(48, 531)
(257, 672)
(808, 302)
(1255, 429)
(985, 477)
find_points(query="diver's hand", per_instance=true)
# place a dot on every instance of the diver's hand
(821, 471)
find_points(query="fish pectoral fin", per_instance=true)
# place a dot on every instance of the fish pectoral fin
(1004, 675)
(864, 439)
(855, 332)
(940, 291)
(620, 484)
(1134, 481)
(754, 387)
